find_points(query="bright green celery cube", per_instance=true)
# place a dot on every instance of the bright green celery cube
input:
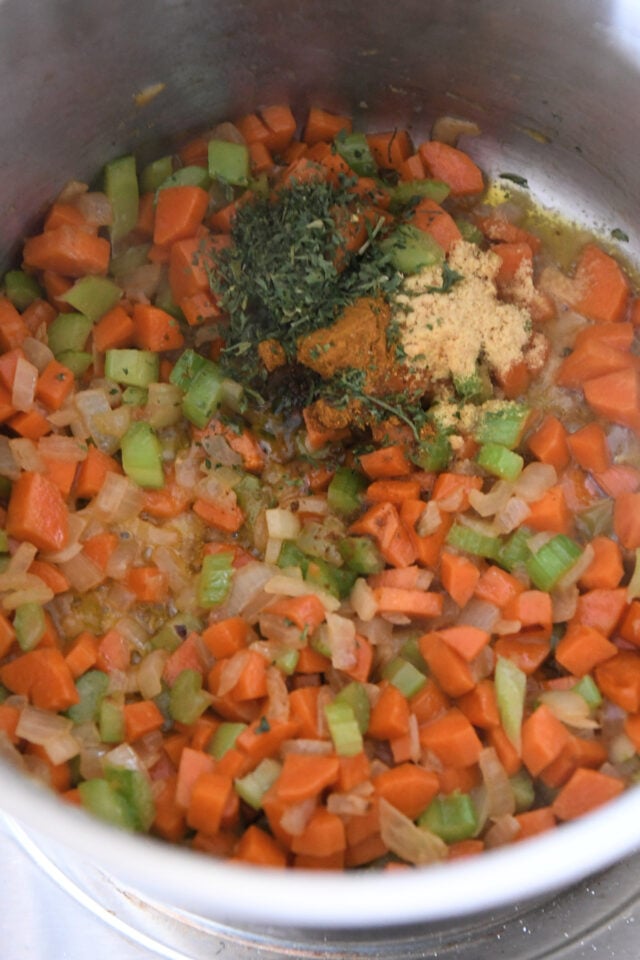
(354, 150)
(69, 331)
(344, 728)
(121, 187)
(187, 700)
(500, 461)
(255, 784)
(229, 162)
(93, 296)
(411, 249)
(215, 579)
(21, 289)
(131, 367)
(452, 818)
(142, 456)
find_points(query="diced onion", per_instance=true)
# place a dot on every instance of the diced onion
(481, 614)
(504, 830)
(347, 804)
(228, 131)
(534, 481)
(296, 817)
(150, 673)
(9, 467)
(340, 638)
(621, 749)
(50, 731)
(81, 572)
(37, 352)
(564, 604)
(581, 565)
(499, 798)
(363, 601)
(408, 841)
(570, 708)
(449, 129)
(291, 587)
(488, 504)
(282, 524)
(118, 499)
(278, 695)
(25, 455)
(95, 208)
(429, 520)
(123, 756)
(24, 385)
(21, 559)
(315, 748)
(58, 447)
(142, 285)
(509, 517)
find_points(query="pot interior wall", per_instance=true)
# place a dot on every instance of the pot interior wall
(70, 72)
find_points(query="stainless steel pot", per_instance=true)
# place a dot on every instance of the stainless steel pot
(554, 86)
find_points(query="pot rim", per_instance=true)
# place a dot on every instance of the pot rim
(219, 890)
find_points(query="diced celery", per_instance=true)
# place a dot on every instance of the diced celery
(104, 801)
(343, 492)
(510, 684)
(188, 364)
(413, 190)
(355, 695)
(232, 395)
(287, 661)
(29, 625)
(121, 187)
(475, 388)
(192, 176)
(344, 728)
(473, 542)
(92, 687)
(515, 551)
(111, 721)
(588, 690)
(410, 650)
(133, 368)
(361, 555)
(203, 395)
(135, 788)
(69, 331)
(452, 817)
(354, 150)
(550, 563)
(225, 738)
(252, 498)
(164, 299)
(469, 231)
(292, 556)
(229, 162)
(21, 288)
(4, 541)
(142, 456)
(403, 675)
(254, 785)
(93, 296)
(433, 453)
(500, 461)
(523, 790)
(174, 631)
(504, 425)
(78, 361)
(155, 174)
(411, 249)
(188, 700)
(215, 579)
(164, 405)
(337, 580)
(134, 396)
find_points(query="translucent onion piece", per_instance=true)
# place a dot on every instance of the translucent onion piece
(31, 589)
(82, 573)
(499, 795)
(479, 613)
(315, 748)
(278, 695)
(292, 587)
(488, 504)
(581, 565)
(621, 749)
(228, 131)
(72, 191)
(296, 817)
(430, 520)
(450, 129)
(24, 385)
(9, 467)
(534, 481)
(22, 559)
(570, 708)
(133, 632)
(219, 451)
(347, 804)
(37, 352)
(340, 637)
(123, 756)
(231, 672)
(58, 447)
(95, 208)
(142, 285)
(119, 498)
(248, 582)
(76, 525)
(503, 831)
(564, 604)
(276, 629)
(150, 748)
(38, 726)
(509, 517)
(150, 673)
(282, 523)
(25, 455)
(363, 601)
(406, 840)
(121, 559)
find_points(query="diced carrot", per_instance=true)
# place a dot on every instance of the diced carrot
(311, 661)
(453, 167)
(9, 717)
(586, 790)
(459, 577)
(99, 548)
(527, 651)
(395, 491)
(50, 574)
(257, 847)
(630, 626)
(455, 486)
(54, 385)
(226, 517)
(179, 213)
(114, 330)
(434, 220)
(582, 648)
(92, 472)
(467, 641)
(37, 512)
(140, 718)
(304, 776)
(114, 652)
(407, 787)
(386, 462)
(412, 168)
(262, 739)
(497, 586)
(413, 603)
(602, 609)
(515, 381)
(500, 230)
(480, 705)
(303, 708)
(460, 779)
(534, 822)
(448, 668)
(323, 835)
(68, 250)
(13, 329)
(209, 797)
(364, 654)
(514, 257)
(549, 443)
(354, 770)
(589, 448)
(83, 654)
(390, 715)
(429, 702)
(602, 289)
(532, 608)
(592, 360)
(452, 739)
(38, 315)
(226, 637)
(199, 308)
(616, 397)
(43, 676)
(618, 335)
(155, 329)
(323, 126)
(148, 583)
(550, 513)
(281, 124)
(508, 753)
(7, 635)
(61, 472)
(543, 738)
(626, 520)
(30, 423)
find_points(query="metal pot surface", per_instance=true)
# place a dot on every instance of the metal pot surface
(553, 85)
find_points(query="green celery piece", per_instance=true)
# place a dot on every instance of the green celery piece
(142, 456)
(354, 150)
(287, 661)
(343, 492)
(134, 396)
(29, 625)
(174, 631)
(92, 687)
(131, 367)
(215, 579)
(411, 249)
(477, 544)
(361, 555)
(155, 174)
(515, 551)
(224, 738)
(78, 361)
(252, 498)
(292, 556)
(188, 700)
(500, 461)
(410, 650)
(121, 187)
(511, 685)
(523, 790)
(111, 721)
(129, 260)
(203, 395)
(188, 364)
(4, 541)
(93, 296)
(69, 331)
(452, 817)
(343, 728)
(413, 190)
(164, 299)
(229, 162)
(192, 176)
(469, 231)
(433, 453)
(355, 695)
(254, 785)
(104, 801)
(475, 388)
(337, 580)
(550, 563)
(21, 289)
(404, 676)
(504, 425)
(232, 395)
(589, 691)
(135, 788)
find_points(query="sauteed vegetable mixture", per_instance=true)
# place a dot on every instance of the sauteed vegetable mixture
(320, 489)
